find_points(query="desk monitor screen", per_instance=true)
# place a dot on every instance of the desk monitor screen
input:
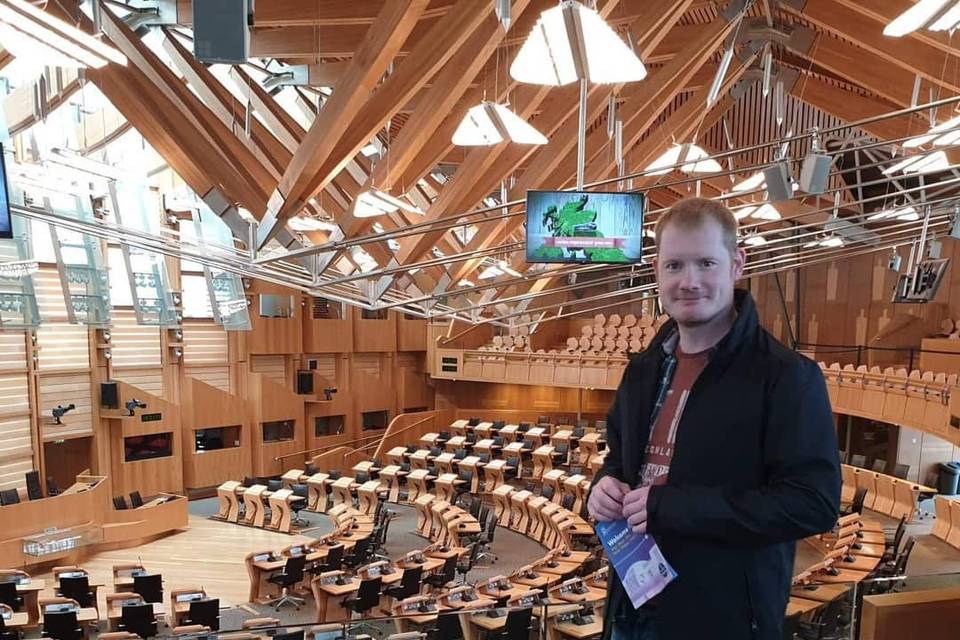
(58, 608)
(295, 551)
(189, 597)
(129, 602)
(261, 557)
(73, 574)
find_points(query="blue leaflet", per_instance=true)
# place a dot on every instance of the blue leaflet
(637, 559)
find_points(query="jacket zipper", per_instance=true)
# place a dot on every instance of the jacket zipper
(754, 625)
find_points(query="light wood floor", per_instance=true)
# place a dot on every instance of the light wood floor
(208, 554)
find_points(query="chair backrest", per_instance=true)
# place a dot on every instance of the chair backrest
(289, 635)
(843, 456)
(310, 468)
(76, 588)
(879, 465)
(302, 491)
(205, 612)
(360, 550)
(34, 491)
(135, 499)
(567, 501)
(578, 432)
(362, 476)
(901, 470)
(444, 435)
(472, 422)
(149, 586)
(274, 485)
(410, 582)
(858, 498)
(547, 492)
(449, 571)
(368, 595)
(139, 619)
(517, 626)
(61, 625)
(293, 569)
(119, 503)
(898, 536)
(475, 506)
(858, 460)
(249, 481)
(459, 454)
(900, 566)
(8, 595)
(334, 474)
(830, 618)
(9, 496)
(334, 557)
(448, 627)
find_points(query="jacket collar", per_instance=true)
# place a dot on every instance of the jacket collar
(743, 328)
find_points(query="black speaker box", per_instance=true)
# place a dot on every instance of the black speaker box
(34, 491)
(109, 396)
(305, 382)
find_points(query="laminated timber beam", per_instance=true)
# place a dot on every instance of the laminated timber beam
(299, 181)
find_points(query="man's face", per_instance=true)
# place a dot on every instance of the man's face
(696, 272)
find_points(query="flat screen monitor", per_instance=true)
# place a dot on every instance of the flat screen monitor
(6, 225)
(584, 227)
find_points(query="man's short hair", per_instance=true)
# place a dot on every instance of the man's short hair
(690, 213)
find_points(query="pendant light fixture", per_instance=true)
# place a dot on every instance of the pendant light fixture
(489, 123)
(693, 159)
(375, 202)
(935, 15)
(572, 42)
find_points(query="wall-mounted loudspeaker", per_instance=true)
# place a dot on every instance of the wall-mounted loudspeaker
(109, 396)
(221, 30)
(779, 182)
(34, 492)
(305, 382)
(815, 173)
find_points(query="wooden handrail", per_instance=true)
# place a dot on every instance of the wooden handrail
(328, 447)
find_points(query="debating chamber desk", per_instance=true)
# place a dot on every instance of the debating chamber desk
(65, 527)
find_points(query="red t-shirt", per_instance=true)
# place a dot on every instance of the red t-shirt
(663, 435)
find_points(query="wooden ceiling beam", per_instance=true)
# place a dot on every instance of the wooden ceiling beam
(315, 43)
(387, 34)
(279, 13)
(867, 32)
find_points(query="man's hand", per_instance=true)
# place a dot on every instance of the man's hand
(635, 509)
(606, 499)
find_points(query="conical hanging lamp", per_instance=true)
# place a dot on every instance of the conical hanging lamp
(489, 123)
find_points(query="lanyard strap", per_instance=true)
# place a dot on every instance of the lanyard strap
(666, 379)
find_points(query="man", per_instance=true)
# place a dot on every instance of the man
(722, 446)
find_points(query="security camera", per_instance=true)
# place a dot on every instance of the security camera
(132, 404)
(59, 411)
(328, 393)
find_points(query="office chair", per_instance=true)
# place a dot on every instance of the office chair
(486, 539)
(517, 626)
(135, 499)
(292, 574)
(309, 469)
(543, 419)
(379, 536)
(578, 432)
(472, 422)
(150, 587)
(443, 435)
(361, 551)
(858, 460)
(892, 570)
(843, 456)
(463, 568)
(34, 492)
(546, 491)
(499, 424)
(448, 628)
(297, 506)
(249, 481)
(879, 466)
(567, 501)
(9, 496)
(334, 474)
(825, 625)
(204, 612)
(362, 476)
(447, 575)
(856, 505)
(62, 625)
(901, 471)
(288, 635)
(459, 454)
(9, 597)
(119, 503)
(138, 619)
(78, 589)
(892, 545)
(367, 598)
(409, 584)
(274, 485)
(52, 488)
(470, 439)
(475, 504)
(331, 563)
(8, 634)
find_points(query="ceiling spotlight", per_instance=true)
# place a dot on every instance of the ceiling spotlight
(923, 163)
(692, 159)
(925, 13)
(490, 123)
(571, 42)
(756, 181)
(377, 203)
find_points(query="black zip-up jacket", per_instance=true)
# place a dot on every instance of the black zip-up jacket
(755, 468)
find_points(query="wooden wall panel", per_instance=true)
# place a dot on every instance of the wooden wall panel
(63, 389)
(13, 346)
(63, 347)
(274, 335)
(273, 367)
(327, 335)
(374, 335)
(204, 343)
(16, 440)
(205, 406)
(215, 376)
(327, 367)
(528, 402)
(148, 379)
(133, 345)
(272, 402)
(411, 333)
